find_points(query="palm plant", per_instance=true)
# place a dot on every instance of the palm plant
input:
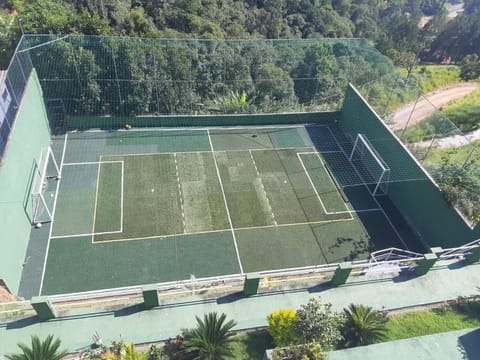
(210, 340)
(363, 325)
(39, 350)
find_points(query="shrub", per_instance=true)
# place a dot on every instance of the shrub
(282, 326)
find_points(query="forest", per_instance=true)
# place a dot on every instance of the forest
(400, 29)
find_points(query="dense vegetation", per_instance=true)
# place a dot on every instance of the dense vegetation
(392, 25)
(118, 76)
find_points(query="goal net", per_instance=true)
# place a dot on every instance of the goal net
(46, 173)
(371, 167)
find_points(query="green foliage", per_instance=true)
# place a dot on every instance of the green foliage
(309, 351)
(432, 77)
(236, 102)
(460, 184)
(282, 326)
(461, 27)
(9, 35)
(251, 345)
(211, 339)
(47, 349)
(465, 112)
(318, 322)
(363, 325)
(470, 67)
(419, 323)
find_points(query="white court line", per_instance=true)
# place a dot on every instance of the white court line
(225, 202)
(93, 233)
(263, 188)
(215, 231)
(93, 162)
(318, 195)
(373, 196)
(180, 194)
(53, 216)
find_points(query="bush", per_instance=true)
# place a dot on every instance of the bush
(311, 351)
(318, 322)
(282, 326)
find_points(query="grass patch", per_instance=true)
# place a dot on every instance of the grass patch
(465, 112)
(431, 77)
(419, 323)
(252, 345)
(458, 155)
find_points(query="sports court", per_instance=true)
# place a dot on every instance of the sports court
(155, 205)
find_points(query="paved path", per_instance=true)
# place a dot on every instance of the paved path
(168, 320)
(454, 345)
(428, 104)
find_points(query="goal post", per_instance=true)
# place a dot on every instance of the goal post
(46, 170)
(370, 165)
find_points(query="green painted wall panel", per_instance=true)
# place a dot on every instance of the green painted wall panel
(29, 135)
(420, 201)
(86, 122)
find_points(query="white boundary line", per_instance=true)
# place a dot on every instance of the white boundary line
(225, 202)
(94, 162)
(373, 197)
(263, 188)
(96, 200)
(216, 231)
(316, 192)
(180, 194)
(53, 216)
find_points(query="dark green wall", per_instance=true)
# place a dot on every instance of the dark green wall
(29, 135)
(87, 122)
(420, 201)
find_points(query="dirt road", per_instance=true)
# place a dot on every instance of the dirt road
(424, 107)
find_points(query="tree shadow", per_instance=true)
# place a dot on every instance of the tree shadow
(468, 345)
(256, 343)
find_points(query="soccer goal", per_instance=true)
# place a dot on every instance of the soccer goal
(370, 165)
(46, 173)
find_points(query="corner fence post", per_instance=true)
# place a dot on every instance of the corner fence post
(250, 286)
(43, 307)
(425, 264)
(150, 296)
(342, 273)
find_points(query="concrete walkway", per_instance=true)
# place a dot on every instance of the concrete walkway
(166, 321)
(454, 345)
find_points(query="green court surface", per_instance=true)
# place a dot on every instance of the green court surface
(137, 207)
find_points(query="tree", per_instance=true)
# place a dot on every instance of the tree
(470, 67)
(47, 349)
(210, 340)
(460, 184)
(318, 322)
(282, 327)
(363, 325)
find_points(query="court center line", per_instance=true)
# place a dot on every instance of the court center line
(263, 189)
(374, 198)
(53, 216)
(214, 231)
(180, 194)
(225, 202)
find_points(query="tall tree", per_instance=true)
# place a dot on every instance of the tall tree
(363, 325)
(211, 339)
(47, 349)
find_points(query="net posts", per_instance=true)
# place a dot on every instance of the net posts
(341, 273)
(43, 307)
(150, 296)
(250, 286)
(424, 265)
